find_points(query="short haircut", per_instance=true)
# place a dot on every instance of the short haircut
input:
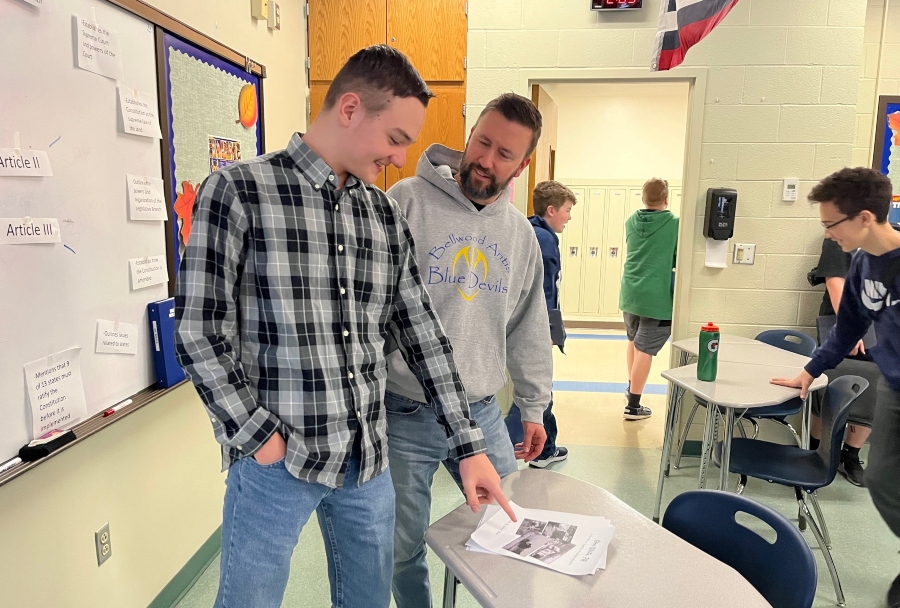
(856, 190)
(377, 73)
(518, 109)
(551, 194)
(655, 192)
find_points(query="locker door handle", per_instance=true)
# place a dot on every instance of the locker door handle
(573, 252)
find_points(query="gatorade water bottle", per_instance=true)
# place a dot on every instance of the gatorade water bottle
(707, 363)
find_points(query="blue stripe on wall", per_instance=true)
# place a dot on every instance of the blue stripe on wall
(596, 337)
(604, 387)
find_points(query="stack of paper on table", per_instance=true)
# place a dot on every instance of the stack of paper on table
(565, 542)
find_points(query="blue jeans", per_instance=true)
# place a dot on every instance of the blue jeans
(417, 445)
(265, 509)
(517, 433)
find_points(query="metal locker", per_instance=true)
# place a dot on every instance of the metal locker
(592, 262)
(571, 256)
(618, 208)
(675, 201)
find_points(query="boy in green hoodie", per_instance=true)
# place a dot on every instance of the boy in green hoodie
(651, 238)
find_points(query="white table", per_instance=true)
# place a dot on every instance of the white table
(647, 564)
(744, 350)
(745, 368)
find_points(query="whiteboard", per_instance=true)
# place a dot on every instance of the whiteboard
(52, 295)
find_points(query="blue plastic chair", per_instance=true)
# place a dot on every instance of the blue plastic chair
(785, 339)
(796, 342)
(784, 572)
(804, 470)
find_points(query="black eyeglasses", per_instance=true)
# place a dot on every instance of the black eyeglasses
(830, 226)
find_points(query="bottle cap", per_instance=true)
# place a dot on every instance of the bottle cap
(709, 327)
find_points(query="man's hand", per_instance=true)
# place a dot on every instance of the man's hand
(533, 444)
(860, 348)
(272, 450)
(802, 382)
(481, 484)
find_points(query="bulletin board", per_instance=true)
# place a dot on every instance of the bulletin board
(87, 242)
(886, 157)
(214, 120)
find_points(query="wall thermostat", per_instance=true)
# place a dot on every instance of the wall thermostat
(791, 186)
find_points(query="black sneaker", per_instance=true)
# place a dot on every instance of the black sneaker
(893, 596)
(558, 456)
(637, 413)
(852, 469)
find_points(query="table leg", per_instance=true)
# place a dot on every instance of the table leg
(806, 421)
(449, 589)
(726, 448)
(671, 419)
(709, 438)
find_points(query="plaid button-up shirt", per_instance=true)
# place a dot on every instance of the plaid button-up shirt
(287, 293)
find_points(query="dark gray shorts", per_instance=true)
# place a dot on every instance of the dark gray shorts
(648, 334)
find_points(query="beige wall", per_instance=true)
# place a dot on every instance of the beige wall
(781, 97)
(282, 52)
(155, 475)
(621, 131)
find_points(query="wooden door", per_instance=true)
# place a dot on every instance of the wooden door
(339, 28)
(444, 124)
(433, 34)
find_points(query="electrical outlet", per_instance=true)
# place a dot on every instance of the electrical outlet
(103, 544)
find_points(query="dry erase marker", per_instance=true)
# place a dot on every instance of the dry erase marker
(9, 464)
(116, 408)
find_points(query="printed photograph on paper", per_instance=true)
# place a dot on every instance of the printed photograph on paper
(525, 545)
(563, 532)
(551, 551)
(531, 525)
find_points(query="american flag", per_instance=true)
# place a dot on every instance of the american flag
(682, 24)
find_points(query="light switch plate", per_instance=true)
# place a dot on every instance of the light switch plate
(274, 15)
(789, 192)
(744, 253)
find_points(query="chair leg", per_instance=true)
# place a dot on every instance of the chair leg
(741, 485)
(450, 583)
(687, 427)
(740, 427)
(793, 432)
(839, 592)
(755, 428)
(820, 518)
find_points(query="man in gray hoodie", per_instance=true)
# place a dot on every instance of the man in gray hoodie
(482, 266)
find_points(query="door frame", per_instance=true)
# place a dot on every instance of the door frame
(696, 77)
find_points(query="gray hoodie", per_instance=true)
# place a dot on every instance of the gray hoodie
(484, 273)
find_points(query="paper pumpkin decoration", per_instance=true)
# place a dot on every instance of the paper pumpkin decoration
(247, 105)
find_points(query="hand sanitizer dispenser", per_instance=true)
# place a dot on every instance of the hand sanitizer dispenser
(721, 205)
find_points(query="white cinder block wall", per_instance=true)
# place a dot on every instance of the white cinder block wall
(781, 101)
(878, 77)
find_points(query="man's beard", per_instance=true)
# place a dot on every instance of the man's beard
(473, 192)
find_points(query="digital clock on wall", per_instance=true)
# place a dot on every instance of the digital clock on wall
(602, 5)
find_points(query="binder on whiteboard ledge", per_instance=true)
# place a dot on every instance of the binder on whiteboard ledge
(162, 327)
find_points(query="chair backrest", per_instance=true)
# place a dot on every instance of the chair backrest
(784, 572)
(839, 396)
(789, 339)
